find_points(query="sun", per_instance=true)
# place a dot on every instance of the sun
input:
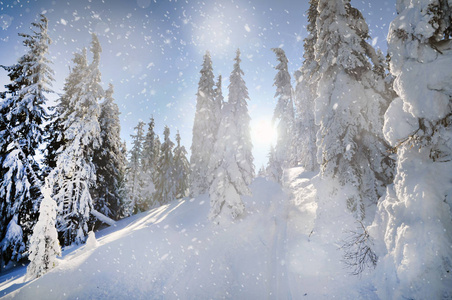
(263, 133)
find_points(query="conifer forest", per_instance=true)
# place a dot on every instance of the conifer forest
(181, 149)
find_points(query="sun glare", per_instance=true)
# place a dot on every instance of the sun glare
(263, 133)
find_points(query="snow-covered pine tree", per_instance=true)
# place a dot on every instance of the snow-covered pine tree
(218, 104)
(413, 226)
(55, 129)
(22, 114)
(44, 244)
(149, 160)
(284, 115)
(232, 162)
(108, 159)
(165, 188)
(305, 93)
(123, 192)
(204, 128)
(228, 183)
(238, 97)
(181, 169)
(75, 174)
(134, 171)
(349, 108)
(274, 169)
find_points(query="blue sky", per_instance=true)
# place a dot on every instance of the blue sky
(152, 50)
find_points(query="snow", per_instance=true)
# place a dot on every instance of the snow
(174, 251)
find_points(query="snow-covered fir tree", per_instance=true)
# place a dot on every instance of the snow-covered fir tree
(238, 97)
(231, 165)
(219, 101)
(75, 174)
(44, 244)
(181, 169)
(349, 108)
(55, 139)
(204, 130)
(413, 226)
(22, 115)
(149, 160)
(305, 93)
(274, 168)
(134, 171)
(284, 115)
(165, 187)
(108, 159)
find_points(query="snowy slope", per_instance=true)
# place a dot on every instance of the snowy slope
(174, 252)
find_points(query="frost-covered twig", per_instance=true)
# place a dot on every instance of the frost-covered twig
(358, 254)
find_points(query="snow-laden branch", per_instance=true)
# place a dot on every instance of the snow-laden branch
(103, 218)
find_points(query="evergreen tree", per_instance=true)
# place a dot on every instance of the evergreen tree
(238, 97)
(55, 129)
(274, 169)
(21, 117)
(349, 108)
(75, 174)
(414, 222)
(44, 245)
(204, 128)
(165, 188)
(107, 159)
(231, 163)
(134, 177)
(123, 192)
(305, 93)
(181, 169)
(285, 150)
(218, 104)
(149, 161)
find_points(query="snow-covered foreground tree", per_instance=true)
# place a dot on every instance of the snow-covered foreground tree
(74, 174)
(204, 130)
(44, 245)
(108, 160)
(285, 150)
(351, 99)
(232, 162)
(22, 115)
(305, 93)
(413, 225)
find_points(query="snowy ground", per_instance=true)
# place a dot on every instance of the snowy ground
(174, 252)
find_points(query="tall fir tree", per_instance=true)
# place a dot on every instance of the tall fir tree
(165, 188)
(305, 93)
(204, 128)
(232, 161)
(414, 222)
(149, 164)
(22, 115)
(274, 168)
(181, 169)
(218, 102)
(134, 171)
(284, 115)
(238, 97)
(74, 175)
(108, 159)
(349, 108)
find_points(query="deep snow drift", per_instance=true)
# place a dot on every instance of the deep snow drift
(175, 252)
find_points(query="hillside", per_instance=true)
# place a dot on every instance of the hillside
(175, 252)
